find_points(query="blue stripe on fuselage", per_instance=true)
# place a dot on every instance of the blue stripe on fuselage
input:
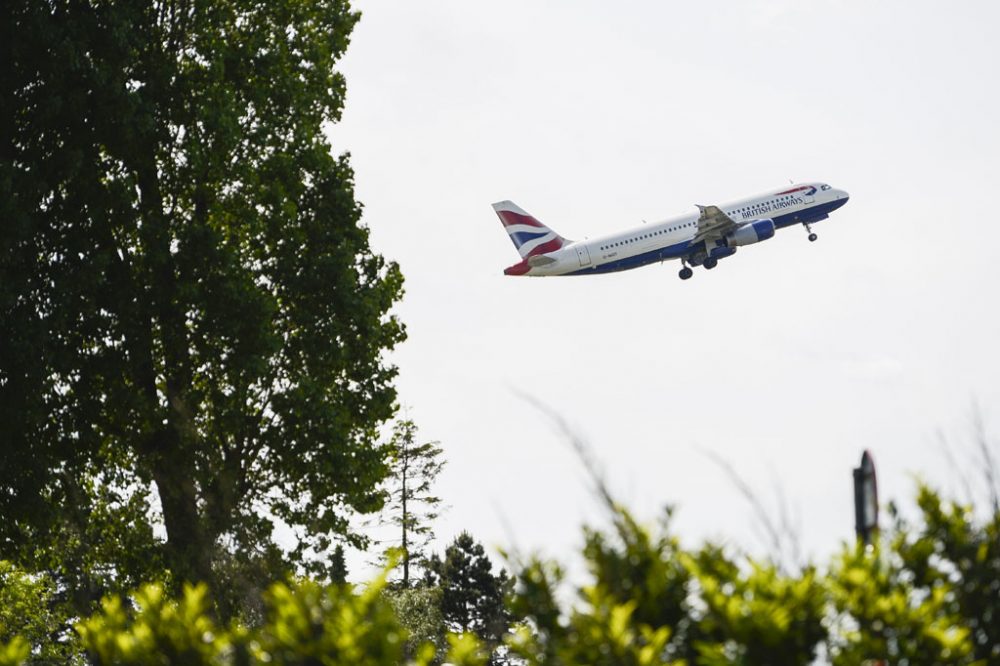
(814, 214)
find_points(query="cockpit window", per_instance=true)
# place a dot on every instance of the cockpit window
(824, 187)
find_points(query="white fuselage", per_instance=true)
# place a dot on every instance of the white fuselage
(676, 238)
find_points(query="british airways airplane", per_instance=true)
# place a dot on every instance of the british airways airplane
(697, 239)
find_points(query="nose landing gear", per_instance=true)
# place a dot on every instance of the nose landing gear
(812, 236)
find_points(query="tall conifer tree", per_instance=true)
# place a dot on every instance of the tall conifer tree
(411, 505)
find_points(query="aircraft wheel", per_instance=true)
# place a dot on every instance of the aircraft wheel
(812, 237)
(711, 263)
(685, 273)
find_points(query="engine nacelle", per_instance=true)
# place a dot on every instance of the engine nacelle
(721, 252)
(752, 232)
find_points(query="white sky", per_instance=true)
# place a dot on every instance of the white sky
(790, 358)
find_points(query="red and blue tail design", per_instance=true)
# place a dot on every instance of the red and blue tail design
(529, 236)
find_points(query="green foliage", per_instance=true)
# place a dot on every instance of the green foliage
(648, 601)
(466, 649)
(642, 568)
(928, 597)
(99, 542)
(418, 610)
(23, 603)
(881, 615)
(338, 565)
(931, 593)
(600, 630)
(948, 548)
(159, 631)
(472, 596)
(31, 619)
(191, 314)
(309, 624)
(754, 614)
(306, 623)
(15, 652)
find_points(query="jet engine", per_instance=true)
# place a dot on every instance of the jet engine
(751, 232)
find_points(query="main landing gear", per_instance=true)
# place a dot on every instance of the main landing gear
(685, 273)
(812, 236)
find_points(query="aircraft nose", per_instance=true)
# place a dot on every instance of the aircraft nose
(841, 199)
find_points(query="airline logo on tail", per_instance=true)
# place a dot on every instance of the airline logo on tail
(529, 236)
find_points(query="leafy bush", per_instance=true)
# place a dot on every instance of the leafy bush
(306, 623)
(925, 595)
(649, 602)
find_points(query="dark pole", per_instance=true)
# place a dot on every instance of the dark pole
(865, 499)
(866, 514)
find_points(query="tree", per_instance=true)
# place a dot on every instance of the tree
(649, 601)
(418, 610)
(753, 613)
(925, 595)
(472, 596)
(951, 547)
(930, 592)
(338, 566)
(28, 611)
(410, 506)
(881, 615)
(190, 311)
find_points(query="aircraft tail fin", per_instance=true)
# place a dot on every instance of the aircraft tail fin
(529, 236)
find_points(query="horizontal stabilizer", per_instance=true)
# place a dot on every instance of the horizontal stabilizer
(540, 260)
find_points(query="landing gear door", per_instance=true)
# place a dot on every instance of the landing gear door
(583, 254)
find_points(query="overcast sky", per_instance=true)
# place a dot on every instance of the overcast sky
(790, 358)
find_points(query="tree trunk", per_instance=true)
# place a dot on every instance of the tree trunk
(189, 546)
(189, 549)
(406, 548)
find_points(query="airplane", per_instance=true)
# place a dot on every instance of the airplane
(697, 239)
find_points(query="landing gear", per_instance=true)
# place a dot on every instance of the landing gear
(686, 272)
(710, 263)
(812, 236)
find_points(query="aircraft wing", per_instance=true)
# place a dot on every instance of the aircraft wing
(713, 224)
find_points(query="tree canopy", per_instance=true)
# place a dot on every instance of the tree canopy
(193, 320)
